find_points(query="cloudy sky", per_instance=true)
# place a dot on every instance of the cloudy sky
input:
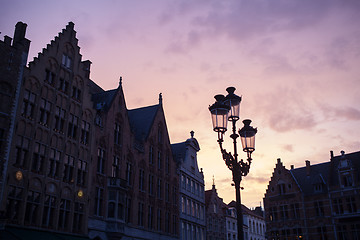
(296, 64)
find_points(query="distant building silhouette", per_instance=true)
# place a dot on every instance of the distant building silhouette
(319, 201)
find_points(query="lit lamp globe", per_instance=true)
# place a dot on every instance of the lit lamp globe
(219, 114)
(233, 101)
(247, 135)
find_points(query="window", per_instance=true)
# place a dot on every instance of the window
(159, 188)
(319, 208)
(69, 163)
(111, 210)
(128, 210)
(284, 212)
(141, 214)
(174, 195)
(76, 93)
(32, 207)
(13, 202)
(151, 184)
(129, 173)
(183, 204)
(167, 192)
(159, 160)
(73, 126)
(98, 201)
(151, 155)
(159, 220)
(282, 189)
(338, 206)
(115, 169)
(295, 210)
(101, 161)
(342, 233)
(66, 61)
(174, 223)
(81, 173)
(167, 222)
(38, 158)
(22, 150)
(318, 188)
(273, 214)
(150, 217)
(78, 216)
(351, 204)
(85, 132)
(117, 133)
(63, 85)
(347, 180)
(322, 233)
(28, 104)
(64, 213)
(54, 163)
(98, 120)
(45, 108)
(49, 211)
(49, 77)
(167, 164)
(183, 181)
(59, 119)
(141, 180)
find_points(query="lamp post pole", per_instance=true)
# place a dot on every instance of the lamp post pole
(227, 109)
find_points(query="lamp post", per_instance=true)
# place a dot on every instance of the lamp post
(227, 108)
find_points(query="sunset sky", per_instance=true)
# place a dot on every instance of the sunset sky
(296, 64)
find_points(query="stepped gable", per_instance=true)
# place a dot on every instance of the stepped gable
(67, 33)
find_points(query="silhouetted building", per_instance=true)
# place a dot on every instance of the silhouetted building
(75, 162)
(191, 189)
(319, 201)
(215, 209)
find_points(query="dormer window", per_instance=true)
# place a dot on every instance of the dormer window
(318, 188)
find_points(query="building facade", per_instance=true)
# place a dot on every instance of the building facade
(254, 223)
(215, 209)
(191, 190)
(75, 161)
(319, 201)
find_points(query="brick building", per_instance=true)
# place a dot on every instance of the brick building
(319, 201)
(75, 162)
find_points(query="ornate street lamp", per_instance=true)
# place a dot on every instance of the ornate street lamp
(228, 109)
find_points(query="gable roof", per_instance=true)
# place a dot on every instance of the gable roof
(319, 173)
(103, 100)
(179, 150)
(141, 120)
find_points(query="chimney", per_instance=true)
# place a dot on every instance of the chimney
(307, 167)
(86, 67)
(7, 40)
(279, 160)
(331, 155)
(292, 167)
(20, 30)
